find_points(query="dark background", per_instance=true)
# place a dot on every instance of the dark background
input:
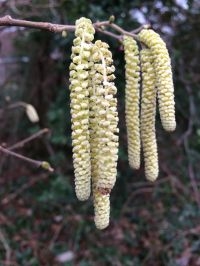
(40, 217)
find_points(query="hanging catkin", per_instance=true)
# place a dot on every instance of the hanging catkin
(132, 97)
(164, 82)
(103, 129)
(101, 202)
(107, 116)
(148, 112)
(79, 94)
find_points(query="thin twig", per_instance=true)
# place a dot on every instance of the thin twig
(13, 106)
(6, 247)
(146, 26)
(115, 36)
(185, 137)
(100, 25)
(21, 143)
(24, 187)
(43, 164)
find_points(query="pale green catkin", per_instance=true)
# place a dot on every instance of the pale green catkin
(103, 129)
(106, 113)
(148, 113)
(79, 94)
(132, 98)
(164, 82)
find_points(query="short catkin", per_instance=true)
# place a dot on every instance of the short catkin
(164, 82)
(103, 129)
(132, 98)
(79, 95)
(148, 112)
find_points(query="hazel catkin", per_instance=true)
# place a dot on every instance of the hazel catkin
(105, 113)
(148, 112)
(132, 98)
(164, 82)
(79, 95)
(103, 129)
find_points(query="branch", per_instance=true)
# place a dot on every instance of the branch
(9, 21)
(21, 143)
(56, 28)
(45, 165)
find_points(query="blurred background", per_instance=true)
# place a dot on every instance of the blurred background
(41, 221)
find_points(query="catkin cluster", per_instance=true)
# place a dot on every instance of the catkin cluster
(94, 120)
(94, 114)
(154, 66)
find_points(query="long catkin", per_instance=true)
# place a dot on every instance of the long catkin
(107, 116)
(148, 112)
(103, 129)
(132, 98)
(164, 82)
(79, 94)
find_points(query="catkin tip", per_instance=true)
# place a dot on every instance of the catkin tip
(170, 127)
(101, 210)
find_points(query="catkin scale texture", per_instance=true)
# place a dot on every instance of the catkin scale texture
(105, 111)
(148, 112)
(103, 129)
(79, 95)
(132, 97)
(164, 82)
(101, 202)
(101, 209)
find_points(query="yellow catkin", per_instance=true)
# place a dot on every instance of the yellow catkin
(105, 111)
(164, 82)
(103, 129)
(148, 113)
(132, 97)
(79, 94)
(101, 202)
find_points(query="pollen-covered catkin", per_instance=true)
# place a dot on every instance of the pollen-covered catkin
(132, 98)
(105, 113)
(103, 129)
(148, 112)
(79, 95)
(164, 82)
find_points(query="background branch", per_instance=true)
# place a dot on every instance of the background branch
(45, 165)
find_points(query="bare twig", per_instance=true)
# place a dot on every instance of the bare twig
(9, 21)
(99, 26)
(6, 247)
(186, 135)
(45, 165)
(24, 187)
(21, 143)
